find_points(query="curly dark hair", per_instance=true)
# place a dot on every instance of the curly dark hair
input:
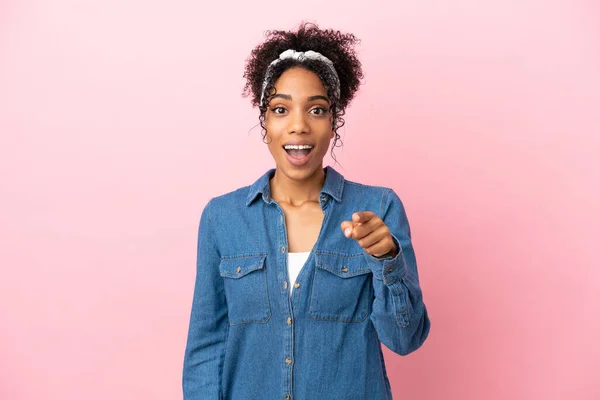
(337, 46)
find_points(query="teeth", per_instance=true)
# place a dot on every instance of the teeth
(297, 147)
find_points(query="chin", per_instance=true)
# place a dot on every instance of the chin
(299, 173)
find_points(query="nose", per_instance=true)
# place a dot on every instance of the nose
(298, 123)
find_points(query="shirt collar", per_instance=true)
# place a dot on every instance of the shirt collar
(333, 186)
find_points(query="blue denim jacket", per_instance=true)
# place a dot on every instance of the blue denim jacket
(248, 339)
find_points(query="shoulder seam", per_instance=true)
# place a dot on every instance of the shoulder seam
(212, 225)
(241, 190)
(367, 186)
(384, 196)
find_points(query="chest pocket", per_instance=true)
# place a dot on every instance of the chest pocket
(245, 282)
(341, 287)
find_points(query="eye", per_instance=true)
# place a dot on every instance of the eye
(278, 110)
(319, 111)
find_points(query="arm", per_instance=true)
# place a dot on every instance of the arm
(205, 348)
(399, 314)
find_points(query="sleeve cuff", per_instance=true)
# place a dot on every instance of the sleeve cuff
(387, 269)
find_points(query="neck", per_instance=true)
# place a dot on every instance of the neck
(295, 191)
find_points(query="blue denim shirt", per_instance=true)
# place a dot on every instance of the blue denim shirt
(248, 339)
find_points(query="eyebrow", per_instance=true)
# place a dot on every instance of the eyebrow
(318, 97)
(289, 97)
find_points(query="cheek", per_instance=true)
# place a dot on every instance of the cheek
(324, 144)
(273, 126)
(273, 135)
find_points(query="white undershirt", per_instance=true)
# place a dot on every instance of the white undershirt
(295, 263)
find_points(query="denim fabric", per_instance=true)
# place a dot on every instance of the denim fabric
(248, 340)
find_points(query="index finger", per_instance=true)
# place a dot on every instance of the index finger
(363, 216)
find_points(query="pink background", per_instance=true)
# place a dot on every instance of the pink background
(119, 120)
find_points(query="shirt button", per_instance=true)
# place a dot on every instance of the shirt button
(266, 197)
(296, 285)
(287, 397)
(283, 249)
(289, 321)
(288, 361)
(323, 199)
(285, 284)
(238, 269)
(344, 269)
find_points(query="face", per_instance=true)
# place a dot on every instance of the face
(298, 115)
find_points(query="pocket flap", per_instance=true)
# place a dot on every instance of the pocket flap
(342, 265)
(239, 266)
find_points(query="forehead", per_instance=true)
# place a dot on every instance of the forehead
(301, 81)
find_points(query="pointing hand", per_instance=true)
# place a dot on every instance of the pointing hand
(371, 233)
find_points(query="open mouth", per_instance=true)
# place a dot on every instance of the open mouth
(298, 151)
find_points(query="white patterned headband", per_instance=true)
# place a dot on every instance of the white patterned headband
(301, 56)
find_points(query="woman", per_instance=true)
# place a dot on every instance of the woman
(301, 275)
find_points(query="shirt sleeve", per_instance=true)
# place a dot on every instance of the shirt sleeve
(208, 327)
(399, 313)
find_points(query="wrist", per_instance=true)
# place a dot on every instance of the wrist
(392, 253)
